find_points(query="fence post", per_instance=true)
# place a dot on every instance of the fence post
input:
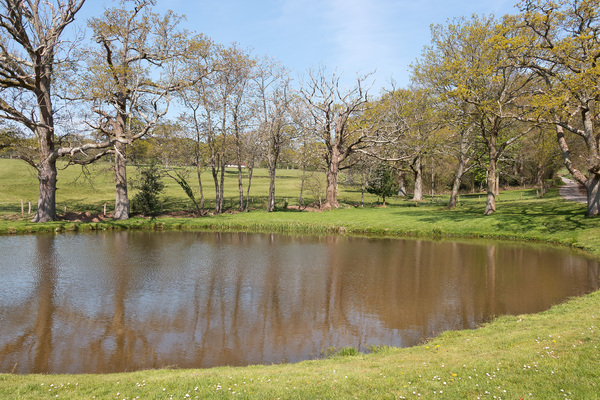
(29, 211)
(65, 208)
(104, 210)
(22, 209)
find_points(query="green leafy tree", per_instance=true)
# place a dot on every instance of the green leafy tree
(565, 50)
(469, 61)
(382, 181)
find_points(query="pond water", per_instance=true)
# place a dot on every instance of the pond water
(123, 301)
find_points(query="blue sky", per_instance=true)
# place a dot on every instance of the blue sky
(349, 36)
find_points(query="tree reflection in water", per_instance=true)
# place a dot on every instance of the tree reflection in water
(123, 301)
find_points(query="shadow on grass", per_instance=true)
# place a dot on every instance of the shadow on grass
(549, 215)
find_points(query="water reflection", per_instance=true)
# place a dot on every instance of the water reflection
(124, 301)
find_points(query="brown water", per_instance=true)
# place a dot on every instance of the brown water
(107, 302)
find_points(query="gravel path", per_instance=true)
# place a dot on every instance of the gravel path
(572, 190)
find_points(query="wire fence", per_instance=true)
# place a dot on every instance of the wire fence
(26, 208)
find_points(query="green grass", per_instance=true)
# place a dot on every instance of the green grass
(549, 355)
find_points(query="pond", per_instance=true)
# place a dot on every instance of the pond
(124, 301)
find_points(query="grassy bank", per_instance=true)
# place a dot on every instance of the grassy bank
(550, 355)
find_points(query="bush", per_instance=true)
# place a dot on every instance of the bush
(381, 182)
(150, 185)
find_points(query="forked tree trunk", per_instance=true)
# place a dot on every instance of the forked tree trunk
(492, 172)
(417, 168)
(121, 199)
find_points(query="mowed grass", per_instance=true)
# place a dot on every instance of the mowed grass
(550, 355)
(91, 188)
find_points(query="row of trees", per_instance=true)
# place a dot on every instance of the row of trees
(487, 93)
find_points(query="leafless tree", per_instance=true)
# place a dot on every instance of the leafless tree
(31, 52)
(333, 113)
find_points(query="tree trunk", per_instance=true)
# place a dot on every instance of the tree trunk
(332, 180)
(47, 174)
(222, 184)
(271, 199)
(240, 185)
(300, 200)
(492, 171)
(215, 175)
(238, 148)
(456, 184)
(401, 183)
(497, 185)
(199, 173)
(417, 168)
(122, 199)
(593, 195)
(490, 206)
(250, 171)
(46, 208)
(272, 159)
(540, 177)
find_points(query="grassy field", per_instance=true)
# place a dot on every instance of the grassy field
(550, 355)
(88, 190)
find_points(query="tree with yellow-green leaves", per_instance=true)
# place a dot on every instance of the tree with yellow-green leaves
(128, 79)
(465, 58)
(565, 51)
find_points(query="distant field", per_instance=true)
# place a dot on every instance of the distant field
(90, 189)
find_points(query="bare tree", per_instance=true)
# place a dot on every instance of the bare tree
(333, 112)
(239, 68)
(30, 54)
(272, 89)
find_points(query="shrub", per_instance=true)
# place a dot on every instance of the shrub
(150, 186)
